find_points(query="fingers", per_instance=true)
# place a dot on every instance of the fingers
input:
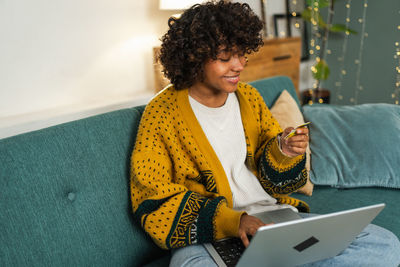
(301, 135)
(300, 141)
(294, 151)
(244, 239)
(248, 226)
(301, 131)
(244, 236)
(287, 131)
(297, 144)
(296, 148)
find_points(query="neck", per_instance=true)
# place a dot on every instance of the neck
(207, 98)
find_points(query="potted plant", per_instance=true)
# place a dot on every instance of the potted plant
(320, 70)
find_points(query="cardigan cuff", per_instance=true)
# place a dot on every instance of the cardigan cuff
(227, 222)
(282, 159)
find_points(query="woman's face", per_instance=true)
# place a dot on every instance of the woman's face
(222, 74)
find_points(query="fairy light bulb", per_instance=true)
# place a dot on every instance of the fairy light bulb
(358, 62)
(396, 93)
(341, 58)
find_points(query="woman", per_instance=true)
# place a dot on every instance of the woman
(208, 151)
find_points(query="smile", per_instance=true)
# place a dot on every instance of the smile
(232, 79)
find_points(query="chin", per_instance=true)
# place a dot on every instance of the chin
(231, 88)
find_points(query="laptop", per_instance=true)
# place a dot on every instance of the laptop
(293, 240)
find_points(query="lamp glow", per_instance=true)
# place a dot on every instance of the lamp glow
(178, 4)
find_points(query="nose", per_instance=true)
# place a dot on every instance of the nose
(238, 63)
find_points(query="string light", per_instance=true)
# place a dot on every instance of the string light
(358, 61)
(342, 72)
(396, 93)
(314, 29)
(316, 35)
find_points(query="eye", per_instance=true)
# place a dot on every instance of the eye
(222, 59)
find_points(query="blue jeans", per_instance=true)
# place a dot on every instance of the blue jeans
(375, 246)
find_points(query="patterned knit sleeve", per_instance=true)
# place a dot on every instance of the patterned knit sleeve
(278, 174)
(171, 214)
(168, 211)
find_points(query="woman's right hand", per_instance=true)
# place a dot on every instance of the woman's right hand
(248, 226)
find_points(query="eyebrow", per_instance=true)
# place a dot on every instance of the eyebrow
(232, 50)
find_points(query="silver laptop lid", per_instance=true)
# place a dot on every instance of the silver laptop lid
(307, 240)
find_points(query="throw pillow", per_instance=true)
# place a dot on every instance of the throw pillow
(355, 146)
(286, 111)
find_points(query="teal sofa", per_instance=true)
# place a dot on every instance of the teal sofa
(64, 197)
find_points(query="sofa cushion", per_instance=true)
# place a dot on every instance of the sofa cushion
(355, 146)
(65, 197)
(271, 88)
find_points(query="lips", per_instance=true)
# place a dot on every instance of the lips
(232, 79)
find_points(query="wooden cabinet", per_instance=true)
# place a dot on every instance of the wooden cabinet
(276, 57)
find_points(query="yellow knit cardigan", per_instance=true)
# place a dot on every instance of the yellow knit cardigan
(179, 190)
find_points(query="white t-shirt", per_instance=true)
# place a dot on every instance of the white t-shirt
(224, 130)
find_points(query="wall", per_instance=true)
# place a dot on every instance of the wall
(368, 72)
(62, 60)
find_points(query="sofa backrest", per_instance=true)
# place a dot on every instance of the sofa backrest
(64, 196)
(271, 88)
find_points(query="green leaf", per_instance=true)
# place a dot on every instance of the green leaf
(341, 28)
(320, 71)
(308, 15)
(320, 3)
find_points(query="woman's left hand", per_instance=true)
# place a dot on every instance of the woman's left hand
(297, 144)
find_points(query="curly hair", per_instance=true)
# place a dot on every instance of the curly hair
(200, 33)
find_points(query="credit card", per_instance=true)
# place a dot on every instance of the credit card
(293, 132)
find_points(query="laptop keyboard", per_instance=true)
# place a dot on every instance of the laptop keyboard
(230, 250)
